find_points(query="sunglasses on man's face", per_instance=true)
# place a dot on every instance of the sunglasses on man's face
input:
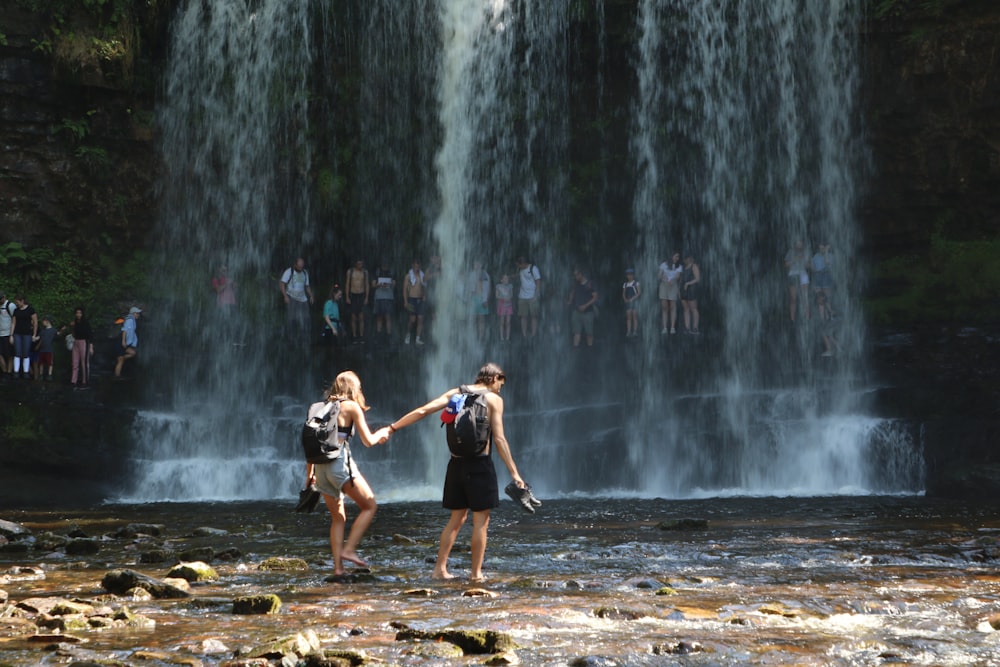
(502, 377)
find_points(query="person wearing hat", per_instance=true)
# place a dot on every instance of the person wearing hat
(630, 295)
(129, 339)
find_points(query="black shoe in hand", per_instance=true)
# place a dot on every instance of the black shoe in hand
(308, 499)
(520, 496)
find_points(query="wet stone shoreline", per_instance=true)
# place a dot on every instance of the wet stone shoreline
(841, 581)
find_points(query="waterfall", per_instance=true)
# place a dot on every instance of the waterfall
(747, 139)
(484, 130)
(235, 124)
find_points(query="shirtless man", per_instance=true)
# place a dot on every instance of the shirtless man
(471, 481)
(357, 298)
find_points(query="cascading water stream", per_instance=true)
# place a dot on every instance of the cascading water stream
(743, 135)
(235, 127)
(746, 139)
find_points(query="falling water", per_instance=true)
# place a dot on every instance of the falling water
(235, 122)
(746, 139)
(742, 134)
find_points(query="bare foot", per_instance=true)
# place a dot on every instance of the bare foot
(353, 558)
(479, 578)
(442, 575)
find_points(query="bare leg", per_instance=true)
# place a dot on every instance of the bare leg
(480, 525)
(358, 491)
(448, 536)
(337, 521)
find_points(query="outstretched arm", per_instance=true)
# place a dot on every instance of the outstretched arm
(357, 416)
(415, 415)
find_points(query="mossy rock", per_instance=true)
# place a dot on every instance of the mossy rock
(300, 644)
(193, 572)
(121, 581)
(472, 642)
(284, 564)
(257, 604)
(204, 554)
(619, 614)
(683, 524)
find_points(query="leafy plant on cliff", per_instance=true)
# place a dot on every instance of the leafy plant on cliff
(88, 34)
(57, 279)
(958, 280)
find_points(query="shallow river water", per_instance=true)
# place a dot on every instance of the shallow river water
(792, 581)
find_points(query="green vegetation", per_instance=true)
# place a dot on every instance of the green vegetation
(56, 280)
(98, 35)
(22, 424)
(958, 280)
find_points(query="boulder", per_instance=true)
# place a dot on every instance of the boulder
(472, 642)
(284, 564)
(205, 554)
(300, 644)
(83, 546)
(134, 530)
(13, 531)
(257, 604)
(120, 582)
(193, 572)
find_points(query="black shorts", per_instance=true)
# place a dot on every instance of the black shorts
(6, 347)
(357, 303)
(471, 483)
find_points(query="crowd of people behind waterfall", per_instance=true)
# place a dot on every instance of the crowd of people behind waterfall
(384, 306)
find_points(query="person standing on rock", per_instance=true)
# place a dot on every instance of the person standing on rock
(130, 340)
(23, 333)
(298, 296)
(471, 481)
(341, 475)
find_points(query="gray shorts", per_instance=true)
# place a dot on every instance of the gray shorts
(383, 306)
(331, 477)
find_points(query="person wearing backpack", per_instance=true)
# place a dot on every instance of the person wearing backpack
(298, 297)
(6, 322)
(471, 480)
(339, 474)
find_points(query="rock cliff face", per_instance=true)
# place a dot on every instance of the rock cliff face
(933, 98)
(79, 161)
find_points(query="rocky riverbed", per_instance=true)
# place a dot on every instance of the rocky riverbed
(832, 581)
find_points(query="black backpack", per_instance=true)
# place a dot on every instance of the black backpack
(469, 432)
(320, 443)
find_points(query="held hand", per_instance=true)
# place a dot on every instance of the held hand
(382, 435)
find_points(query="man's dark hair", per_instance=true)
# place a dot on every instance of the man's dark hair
(488, 372)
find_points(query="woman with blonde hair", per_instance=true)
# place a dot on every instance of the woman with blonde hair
(341, 476)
